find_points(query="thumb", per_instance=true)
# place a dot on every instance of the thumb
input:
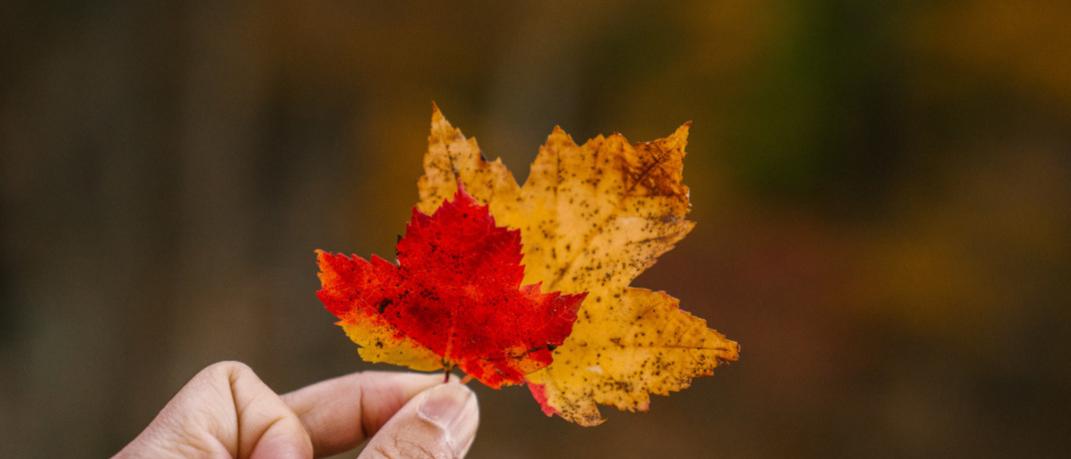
(438, 423)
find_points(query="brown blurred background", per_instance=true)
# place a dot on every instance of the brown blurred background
(883, 192)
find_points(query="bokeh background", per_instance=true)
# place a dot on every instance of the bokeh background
(882, 191)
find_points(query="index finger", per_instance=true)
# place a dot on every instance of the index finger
(341, 413)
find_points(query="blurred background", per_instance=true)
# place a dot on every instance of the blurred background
(882, 191)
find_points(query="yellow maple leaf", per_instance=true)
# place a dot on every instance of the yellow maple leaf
(592, 218)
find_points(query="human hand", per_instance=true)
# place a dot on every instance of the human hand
(227, 411)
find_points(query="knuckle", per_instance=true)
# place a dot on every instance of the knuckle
(222, 372)
(227, 367)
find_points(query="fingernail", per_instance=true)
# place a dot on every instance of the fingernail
(447, 406)
(444, 404)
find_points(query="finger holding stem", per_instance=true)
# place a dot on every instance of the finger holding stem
(446, 372)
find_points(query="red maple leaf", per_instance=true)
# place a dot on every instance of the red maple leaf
(456, 291)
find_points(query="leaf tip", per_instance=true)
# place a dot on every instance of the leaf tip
(558, 136)
(323, 259)
(440, 126)
(539, 393)
(733, 353)
(679, 137)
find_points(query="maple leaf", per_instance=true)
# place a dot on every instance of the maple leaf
(592, 218)
(455, 298)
